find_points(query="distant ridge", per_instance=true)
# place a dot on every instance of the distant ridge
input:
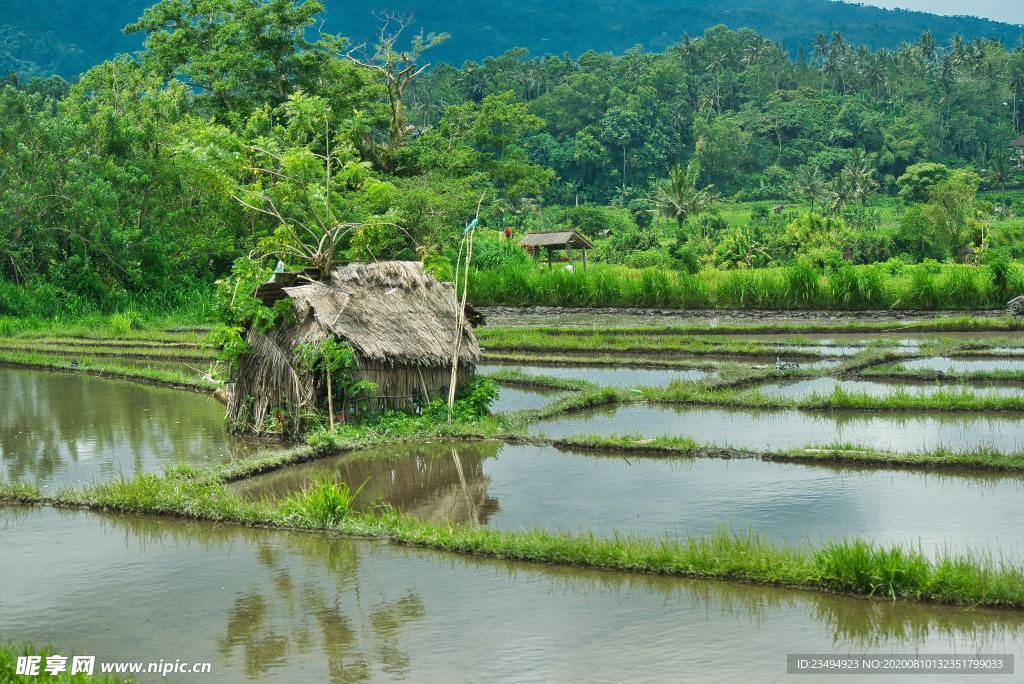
(69, 36)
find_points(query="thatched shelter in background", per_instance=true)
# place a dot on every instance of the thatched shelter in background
(551, 241)
(399, 321)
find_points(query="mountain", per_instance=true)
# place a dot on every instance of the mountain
(68, 36)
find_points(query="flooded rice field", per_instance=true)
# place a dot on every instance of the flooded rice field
(609, 375)
(947, 364)
(516, 487)
(778, 430)
(290, 607)
(804, 389)
(59, 429)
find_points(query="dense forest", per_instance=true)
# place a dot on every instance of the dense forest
(236, 133)
(68, 37)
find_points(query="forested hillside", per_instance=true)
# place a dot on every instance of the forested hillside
(237, 138)
(66, 37)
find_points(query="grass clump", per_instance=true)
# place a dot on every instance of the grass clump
(324, 503)
(518, 378)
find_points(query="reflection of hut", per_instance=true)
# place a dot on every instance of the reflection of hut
(567, 240)
(399, 321)
(1017, 148)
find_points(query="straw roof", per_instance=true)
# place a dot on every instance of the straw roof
(390, 312)
(560, 239)
(1019, 142)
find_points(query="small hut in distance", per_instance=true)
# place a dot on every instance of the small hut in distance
(399, 321)
(1017, 148)
(551, 241)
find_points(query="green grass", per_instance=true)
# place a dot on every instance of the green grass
(323, 504)
(850, 566)
(998, 322)
(517, 378)
(594, 341)
(895, 371)
(679, 392)
(128, 324)
(109, 369)
(828, 455)
(940, 287)
(8, 666)
(598, 361)
(153, 352)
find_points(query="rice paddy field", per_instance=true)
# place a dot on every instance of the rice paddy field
(796, 484)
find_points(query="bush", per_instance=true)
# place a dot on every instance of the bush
(648, 258)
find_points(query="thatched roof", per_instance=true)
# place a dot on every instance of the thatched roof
(390, 312)
(558, 240)
(1019, 142)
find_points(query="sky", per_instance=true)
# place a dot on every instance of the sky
(1011, 11)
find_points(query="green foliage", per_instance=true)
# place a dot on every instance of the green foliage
(476, 398)
(231, 342)
(240, 134)
(916, 183)
(323, 504)
(124, 322)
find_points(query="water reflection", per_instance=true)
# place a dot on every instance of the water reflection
(285, 607)
(436, 482)
(803, 389)
(611, 376)
(66, 428)
(513, 487)
(963, 365)
(776, 430)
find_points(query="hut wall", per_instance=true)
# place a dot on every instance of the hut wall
(404, 387)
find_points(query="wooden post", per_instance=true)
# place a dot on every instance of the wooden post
(330, 401)
(568, 250)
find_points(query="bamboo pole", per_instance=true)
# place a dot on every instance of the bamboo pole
(330, 400)
(460, 318)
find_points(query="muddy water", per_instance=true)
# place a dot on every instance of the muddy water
(775, 430)
(519, 399)
(610, 376)
(963, 365)
(825, 386)
(287, 607)
(526, 486)
(61, 429)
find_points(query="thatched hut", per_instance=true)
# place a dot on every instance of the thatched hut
(399, 321)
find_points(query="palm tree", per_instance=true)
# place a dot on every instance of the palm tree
(860, 175)
(810, 185)
(820, 50)
(679, 198)
(927, 46)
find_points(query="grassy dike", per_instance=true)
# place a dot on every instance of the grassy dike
(853, 567)
(108, 369)
(826, 455)
(954, 400)
(999, 322)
